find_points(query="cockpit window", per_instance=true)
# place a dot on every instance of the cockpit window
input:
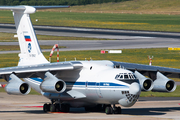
(125, 76)
(128, 78)
(132, 76)
(122, 76)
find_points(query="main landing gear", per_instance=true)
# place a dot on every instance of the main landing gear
(56, 107)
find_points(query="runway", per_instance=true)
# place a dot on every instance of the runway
(91, 32)
(105, 44)
(30, 107)
(123, 39)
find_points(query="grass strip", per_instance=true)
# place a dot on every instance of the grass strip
(131, 6)
(9, 37)
(16, 47)
(161, 94)
(162, 57)
(149, 22)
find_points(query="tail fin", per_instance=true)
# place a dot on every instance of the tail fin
(30, 51)
(29, 46)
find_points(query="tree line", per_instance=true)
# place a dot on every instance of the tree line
(55, 2)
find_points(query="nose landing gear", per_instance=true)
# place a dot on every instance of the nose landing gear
(112, 110)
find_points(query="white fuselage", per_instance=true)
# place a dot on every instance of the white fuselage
(95, 83)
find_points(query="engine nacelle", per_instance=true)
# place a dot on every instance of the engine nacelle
(16, 86)
(145, 83)
(52, 84)
(163, 84)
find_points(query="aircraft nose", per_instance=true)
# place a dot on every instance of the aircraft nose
(135, 89)
(131, 97)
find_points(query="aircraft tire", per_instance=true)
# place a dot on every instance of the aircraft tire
(48, 107)
(52, 108)
(57, 107)
(117, 110)
(109, 110)
(45, 107)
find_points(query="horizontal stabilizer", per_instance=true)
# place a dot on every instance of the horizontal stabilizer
(12, 7)
(36, 7)
(49, 7)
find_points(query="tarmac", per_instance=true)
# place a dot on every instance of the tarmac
(30, 107)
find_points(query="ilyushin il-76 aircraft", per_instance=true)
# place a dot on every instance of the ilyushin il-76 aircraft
(95, 85)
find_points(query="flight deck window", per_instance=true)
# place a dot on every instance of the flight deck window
(131, 76)
(121, 76)
(125, 76)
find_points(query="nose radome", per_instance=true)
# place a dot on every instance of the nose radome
(132, 96)
(135, 88)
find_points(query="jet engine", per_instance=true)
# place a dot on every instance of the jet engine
(145, 83)
(163, 84)
(16, 86)
(52, 84)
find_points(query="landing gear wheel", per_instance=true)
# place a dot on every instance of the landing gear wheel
(109, 110)
(57, 107)
(104, 106)
(52, 108)
(117, 110)
(46, 107)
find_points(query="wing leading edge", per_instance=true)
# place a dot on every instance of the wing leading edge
(146, 69)
(28, 71)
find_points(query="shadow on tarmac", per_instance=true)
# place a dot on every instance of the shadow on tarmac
(129, 111)
(149, 111)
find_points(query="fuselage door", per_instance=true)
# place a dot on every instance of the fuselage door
(98, 90)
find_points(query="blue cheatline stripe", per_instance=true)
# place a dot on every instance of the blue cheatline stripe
(90, 84)
(37, 79)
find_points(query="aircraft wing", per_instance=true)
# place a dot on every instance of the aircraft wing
(31, 71)
(147, 69)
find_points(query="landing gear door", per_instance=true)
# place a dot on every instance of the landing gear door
(98, 90)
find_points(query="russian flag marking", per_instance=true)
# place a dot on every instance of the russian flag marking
(27, 38)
